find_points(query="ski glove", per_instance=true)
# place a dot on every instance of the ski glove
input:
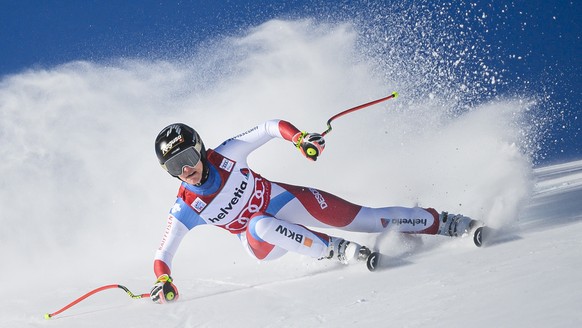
(164, 290)
(311, 145)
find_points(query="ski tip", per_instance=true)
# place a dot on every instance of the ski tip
(372, 261)
(478, 236)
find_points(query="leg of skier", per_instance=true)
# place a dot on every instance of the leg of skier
(315, 208)
(260, 249)
(291, 208)
(268, 238)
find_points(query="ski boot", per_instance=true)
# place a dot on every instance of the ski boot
(346, 251)
(456, 225)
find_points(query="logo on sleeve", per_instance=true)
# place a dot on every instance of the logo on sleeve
(175, 209)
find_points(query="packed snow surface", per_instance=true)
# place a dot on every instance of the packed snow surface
(527, 276)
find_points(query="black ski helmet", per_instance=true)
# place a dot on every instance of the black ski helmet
(178, 145)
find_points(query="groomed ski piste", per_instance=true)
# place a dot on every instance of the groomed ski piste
(526, 276)
(84, 201)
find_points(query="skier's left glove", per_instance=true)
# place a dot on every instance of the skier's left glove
(164, 290)
(311, 145)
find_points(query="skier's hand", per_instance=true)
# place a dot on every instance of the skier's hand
(311, 145)
(164, 290)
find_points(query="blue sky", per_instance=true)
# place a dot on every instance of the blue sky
(535, 43)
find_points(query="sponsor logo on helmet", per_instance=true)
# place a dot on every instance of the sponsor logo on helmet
(176, 127)
(170, 145)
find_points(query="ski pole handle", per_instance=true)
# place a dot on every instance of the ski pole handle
(310, 148)
(94, 291)
(353, 109)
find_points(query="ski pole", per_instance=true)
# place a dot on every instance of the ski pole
(94, 291)
(353, 109)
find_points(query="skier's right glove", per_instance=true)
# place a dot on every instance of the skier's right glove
(164, 290)
(311, 145)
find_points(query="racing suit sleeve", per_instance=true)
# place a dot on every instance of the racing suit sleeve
(252, 139)
(181, 219)
(175, 232)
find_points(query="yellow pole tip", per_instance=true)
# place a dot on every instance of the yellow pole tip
(47, 316)
(395, 94)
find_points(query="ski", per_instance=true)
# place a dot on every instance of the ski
(372, 261)
(480, 235)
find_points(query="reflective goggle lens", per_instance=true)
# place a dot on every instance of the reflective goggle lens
(187, 157)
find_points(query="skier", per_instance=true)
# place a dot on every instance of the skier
(270, 218)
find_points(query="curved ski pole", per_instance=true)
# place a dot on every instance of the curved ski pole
(94, 291)
(353, 109)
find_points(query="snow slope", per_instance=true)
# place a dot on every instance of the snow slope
(529, 277)
(84, 202)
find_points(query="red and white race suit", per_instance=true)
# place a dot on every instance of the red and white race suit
(270, 218)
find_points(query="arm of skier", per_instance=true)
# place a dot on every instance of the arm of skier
(310, 144)
(173, 235)
(181, 220)
(164, 290)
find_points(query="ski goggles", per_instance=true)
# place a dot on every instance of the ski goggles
(187, 157)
